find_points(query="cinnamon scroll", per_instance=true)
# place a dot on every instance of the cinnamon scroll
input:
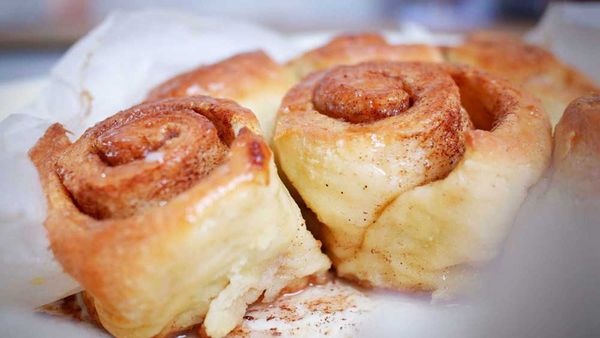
(414, 170)
(171, 213)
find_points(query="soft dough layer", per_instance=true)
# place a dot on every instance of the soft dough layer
(409, 198)
(252, 79)
(538, 71)
(227, 236)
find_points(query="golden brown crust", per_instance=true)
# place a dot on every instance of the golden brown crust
(411, 200)
(234, 78)
(251, 79)
(357, 48)
(158, 268)
(535, 69)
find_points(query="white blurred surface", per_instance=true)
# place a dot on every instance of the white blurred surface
(16, 94)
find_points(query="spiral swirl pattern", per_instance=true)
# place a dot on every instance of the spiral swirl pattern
(413, 170)
(143, 156)
(361, 94)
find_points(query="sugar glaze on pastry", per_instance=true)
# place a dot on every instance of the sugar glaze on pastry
(164, 242)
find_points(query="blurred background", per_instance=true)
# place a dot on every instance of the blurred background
(35, 33)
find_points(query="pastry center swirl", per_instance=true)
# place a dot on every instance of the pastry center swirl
(361, 94)
(140, 158)
(126, 144)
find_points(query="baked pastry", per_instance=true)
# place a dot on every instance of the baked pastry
(576, 157)
(170, 213)
(356, 48)
(251, 79)
(535, 69)
(414, 170)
